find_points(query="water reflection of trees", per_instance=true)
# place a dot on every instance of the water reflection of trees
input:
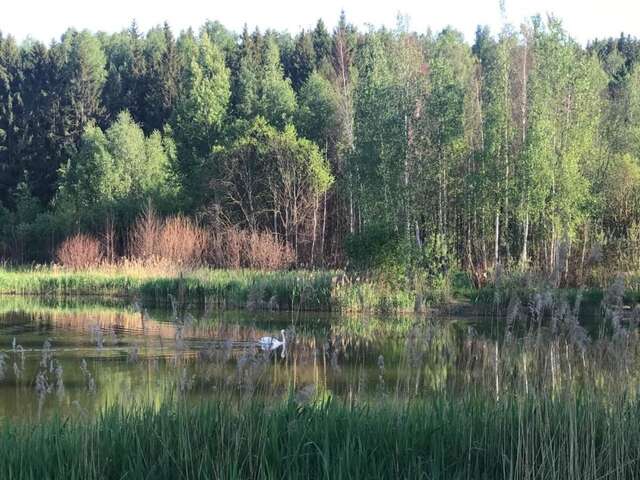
(542, 349)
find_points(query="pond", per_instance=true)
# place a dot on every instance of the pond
(74, 357)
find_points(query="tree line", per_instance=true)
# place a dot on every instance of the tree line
(519, 149)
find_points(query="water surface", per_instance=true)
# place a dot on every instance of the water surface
(73, 357)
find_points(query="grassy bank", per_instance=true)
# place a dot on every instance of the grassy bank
(318, 290)
(440, 438)
(258, 290)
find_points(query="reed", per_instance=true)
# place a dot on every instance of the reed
(320, 290)
(467, 437)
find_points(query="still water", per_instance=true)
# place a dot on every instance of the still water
(77, 356)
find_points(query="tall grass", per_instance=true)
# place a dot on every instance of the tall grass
(252, 289)
(447, 438)
(263, 289)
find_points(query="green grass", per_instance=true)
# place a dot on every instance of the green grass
(318, 290)
(284, 290)
(442, 438)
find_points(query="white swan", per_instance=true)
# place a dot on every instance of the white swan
(272, 343)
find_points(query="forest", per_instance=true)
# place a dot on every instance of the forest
(340, 148)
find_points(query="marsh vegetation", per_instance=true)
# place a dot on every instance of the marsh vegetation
(540, 389)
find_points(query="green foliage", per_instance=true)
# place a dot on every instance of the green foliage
(317, 110)
(276, 98)
(279, 170)
(379, 249)
(379, 135)
(116, 169)
(85, 75)
(200, 111)
(261, 88)
(302, 60)
(321, 43)
(434, 262)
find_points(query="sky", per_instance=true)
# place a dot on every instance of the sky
(47, 19)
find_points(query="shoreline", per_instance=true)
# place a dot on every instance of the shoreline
(297, 290)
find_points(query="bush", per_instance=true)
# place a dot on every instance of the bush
(80, 251)
(182, 243)
(263, 252)
(379, 249)
(435, 261)
(235, 248)
(225, 248)
(144, 236)
(177, 241)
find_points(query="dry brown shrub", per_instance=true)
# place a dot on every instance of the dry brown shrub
(144, 236)
(233, 240)
(79, 251)
(225, 248)
(264, 252)
(214, 246)
(181, 242)
(176, 242)
(235, 248)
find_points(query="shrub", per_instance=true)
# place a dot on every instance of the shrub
(263, 252)
(181, 242)
(379, 249)
(435, 261)
(225, 248)
(144, 235)
(176, 242)
(235, 248)
(79, 251)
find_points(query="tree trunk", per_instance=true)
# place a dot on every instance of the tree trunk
(351, 214)
(315, 226)
(584, 250)
(324, 225)
(524, 260)
(275, 223)
(496, 251)
(525, 238)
